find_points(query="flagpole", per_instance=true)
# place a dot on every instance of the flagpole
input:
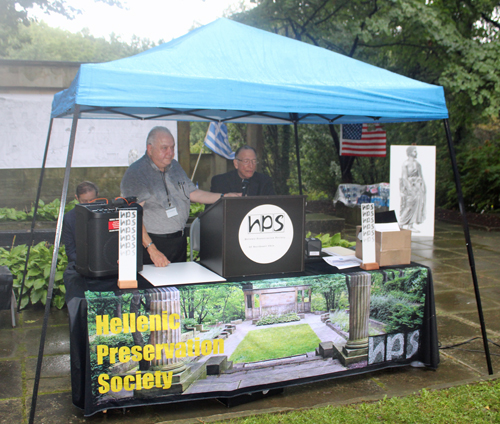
(197, 162)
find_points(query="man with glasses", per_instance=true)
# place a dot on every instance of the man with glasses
(243, 179)
(86, 192)
(164, 191)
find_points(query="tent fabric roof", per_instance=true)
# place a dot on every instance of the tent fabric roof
(229, 71)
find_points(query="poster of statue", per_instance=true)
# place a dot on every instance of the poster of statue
(413, 187)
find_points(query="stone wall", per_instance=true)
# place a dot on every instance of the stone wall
(33, 83)
(19, 186)
(36, 81)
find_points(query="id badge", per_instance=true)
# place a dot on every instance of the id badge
(171, 212)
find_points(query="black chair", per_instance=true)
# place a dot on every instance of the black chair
(7, 297)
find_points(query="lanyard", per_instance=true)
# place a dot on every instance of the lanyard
(163, 178)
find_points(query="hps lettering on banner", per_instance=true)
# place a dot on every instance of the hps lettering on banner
(269, 223)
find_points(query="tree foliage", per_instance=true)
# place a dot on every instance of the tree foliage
(209, 305)
(278, 154)
(453, 43)
(331, 288)
(481, 183)
(14, 14)
(449, 42)
(17, 11)
(398, 298)
(42, 42)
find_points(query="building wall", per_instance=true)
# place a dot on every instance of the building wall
(26, 90)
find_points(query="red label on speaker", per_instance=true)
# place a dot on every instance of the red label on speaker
(114, 224)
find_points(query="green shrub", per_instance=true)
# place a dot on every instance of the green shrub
(37, 277)
(195, 209)
(341, 319)
(407, 297)
(46, 212)
(479, 168)
(398, 314)
(277, 319)
(318, 302)
(196, 253)
(211, 333)
(336, 240)
(188, 324)
(314, 195)
(11, 214)
(410, 286)
(116, 340)
(381, 307)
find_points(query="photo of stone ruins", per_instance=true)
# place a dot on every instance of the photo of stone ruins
(273, 331)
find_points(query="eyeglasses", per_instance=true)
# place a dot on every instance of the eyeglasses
(248, 161)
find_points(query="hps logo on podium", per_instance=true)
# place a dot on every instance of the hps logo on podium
(265, 234)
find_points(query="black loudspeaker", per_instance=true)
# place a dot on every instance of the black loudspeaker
(97, 232)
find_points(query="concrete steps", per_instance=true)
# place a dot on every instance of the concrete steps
(268, 372)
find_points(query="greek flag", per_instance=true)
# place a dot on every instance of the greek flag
(217, 141)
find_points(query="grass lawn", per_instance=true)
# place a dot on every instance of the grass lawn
(476, 403)
(276, 342)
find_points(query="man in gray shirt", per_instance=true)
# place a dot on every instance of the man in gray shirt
(164, 191)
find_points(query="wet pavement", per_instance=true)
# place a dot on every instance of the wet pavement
(457, 319)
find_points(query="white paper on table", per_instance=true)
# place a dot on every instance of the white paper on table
(386, 227)
(338, 251)
(179, 273)
(342, 262)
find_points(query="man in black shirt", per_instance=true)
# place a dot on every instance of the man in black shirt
(85, 193)
(243, 179)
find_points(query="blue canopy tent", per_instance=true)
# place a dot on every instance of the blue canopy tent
(230, 72)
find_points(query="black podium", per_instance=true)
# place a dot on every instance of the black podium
(242, 236)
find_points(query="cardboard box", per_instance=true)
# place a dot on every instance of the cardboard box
(391, 247)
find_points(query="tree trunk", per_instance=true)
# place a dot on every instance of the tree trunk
(345, 162)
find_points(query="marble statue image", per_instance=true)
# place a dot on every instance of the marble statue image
(412, 191)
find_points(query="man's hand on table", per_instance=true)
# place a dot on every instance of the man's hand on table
(158, 258)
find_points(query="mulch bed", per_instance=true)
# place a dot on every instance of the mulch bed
(320, 206)
(485, 221)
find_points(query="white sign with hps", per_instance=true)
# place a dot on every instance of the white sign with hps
(368, 232)
(266, 234)
(127, 245)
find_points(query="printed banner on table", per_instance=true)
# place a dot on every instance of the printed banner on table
(201, 341)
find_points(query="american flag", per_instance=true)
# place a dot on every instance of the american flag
(217, 140)
(362, 140)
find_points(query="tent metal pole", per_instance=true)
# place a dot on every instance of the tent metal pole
(468, 243)
(54, 262)
(197, 162)
(35, 211)
(297, 150)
